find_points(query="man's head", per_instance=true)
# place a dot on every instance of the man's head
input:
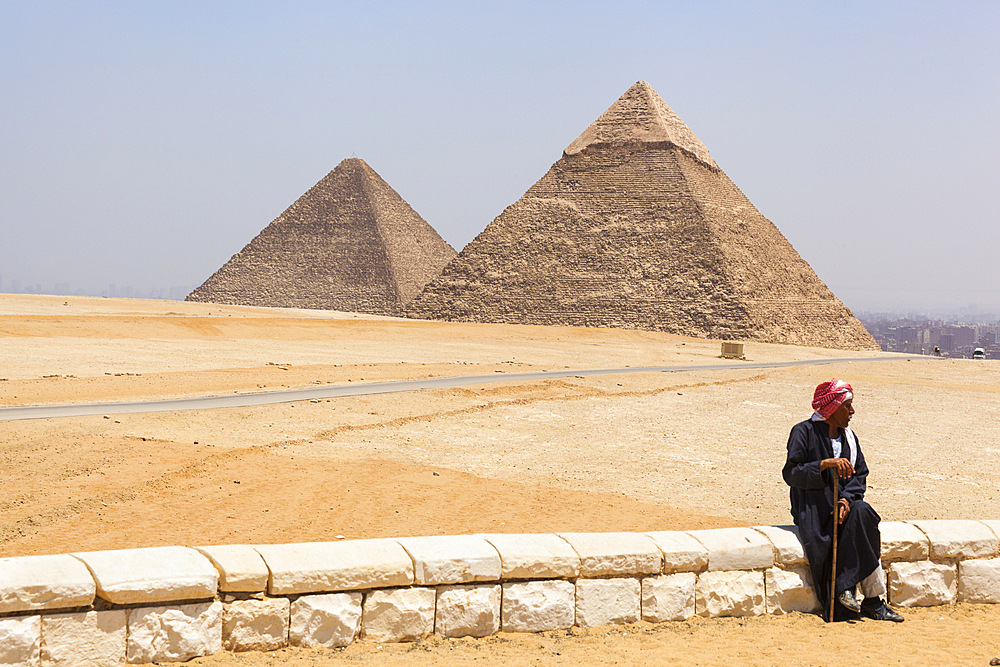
(830, 397)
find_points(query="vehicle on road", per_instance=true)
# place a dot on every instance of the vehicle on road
(979, 353)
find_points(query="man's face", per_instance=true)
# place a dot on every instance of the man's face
(842, 417)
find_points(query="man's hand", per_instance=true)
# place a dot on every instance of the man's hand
(843, 466)
(845, 509)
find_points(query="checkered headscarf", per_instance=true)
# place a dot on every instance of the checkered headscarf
(830, 395)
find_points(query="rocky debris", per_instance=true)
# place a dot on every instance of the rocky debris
(636, 227)
(350, 243)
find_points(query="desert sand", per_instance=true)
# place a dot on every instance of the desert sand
(636, 451)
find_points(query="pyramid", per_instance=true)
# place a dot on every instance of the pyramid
(637, 227)
(350, 243)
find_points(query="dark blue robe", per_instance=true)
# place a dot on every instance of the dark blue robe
(859, 541)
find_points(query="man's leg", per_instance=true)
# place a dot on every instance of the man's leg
(873, 606)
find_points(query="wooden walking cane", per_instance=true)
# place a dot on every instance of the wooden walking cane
(836, 523)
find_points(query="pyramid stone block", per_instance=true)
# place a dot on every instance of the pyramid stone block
(637, 227)
(789, 590)
(468, 610)
(399, 615)
(537, 606)
(681, 552)
(730, 594)
(350, 243)
(44, 582)
(330, 620)
(608, 601)
(922, 584)
(84, 638)
(255, 625)
(174, 633)
(668, 597)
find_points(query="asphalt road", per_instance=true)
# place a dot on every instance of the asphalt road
(338, 391)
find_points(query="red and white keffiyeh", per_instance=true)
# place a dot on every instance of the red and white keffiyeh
(831, 395)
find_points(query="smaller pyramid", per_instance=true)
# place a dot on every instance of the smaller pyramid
(350, 243)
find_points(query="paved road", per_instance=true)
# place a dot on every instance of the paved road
(290, 395)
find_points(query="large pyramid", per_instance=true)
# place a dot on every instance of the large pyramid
(636, 226)
(351, 243)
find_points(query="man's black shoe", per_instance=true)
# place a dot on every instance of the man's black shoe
(847, 600)
(877, 609)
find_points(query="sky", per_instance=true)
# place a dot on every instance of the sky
(144, 143)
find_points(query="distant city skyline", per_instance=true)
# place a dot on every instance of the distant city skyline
(144, 144)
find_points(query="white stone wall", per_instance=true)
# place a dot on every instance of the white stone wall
(169, 604)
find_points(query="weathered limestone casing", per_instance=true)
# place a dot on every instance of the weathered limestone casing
(84, 638)
(527, 556)
(922, 584)
(44, 582)
(668, 597)
(155, 574)
(467, 610)
(681, 552)
(537, 606)
(255, 625)
(398, 615)
(452, 559)
(729, 594)
(789, 590)
(610, 554)
(330, 620)
(608, 601)
(317, 567)
(735, 548)
(240, 567)
(175, 633)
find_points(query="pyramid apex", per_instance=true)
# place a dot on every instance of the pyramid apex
(641, 116)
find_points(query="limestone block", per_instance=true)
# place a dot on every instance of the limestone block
(44, 582)
(903, 541)
(175, 633)
(608, 601)
(468, 610)
(398, 615)
(979, 581)
(543, 556)
(240, 567)
(681, 552)
(537, 606)
(85, 638)
(328, 621)
(735, 548)
(730, 594)
(452, 559)
(922, 584)
(959, 539)
(789, 590)
(785, 543)
(994, 525)
(668, 597)
(316, 567)
(155, 574)
(20, 641)
(255, 625)
(609, 554)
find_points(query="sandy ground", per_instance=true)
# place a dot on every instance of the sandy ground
(638, 451)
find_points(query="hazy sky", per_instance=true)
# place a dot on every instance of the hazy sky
(144, 143)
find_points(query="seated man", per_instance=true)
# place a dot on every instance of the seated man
(819, 448)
